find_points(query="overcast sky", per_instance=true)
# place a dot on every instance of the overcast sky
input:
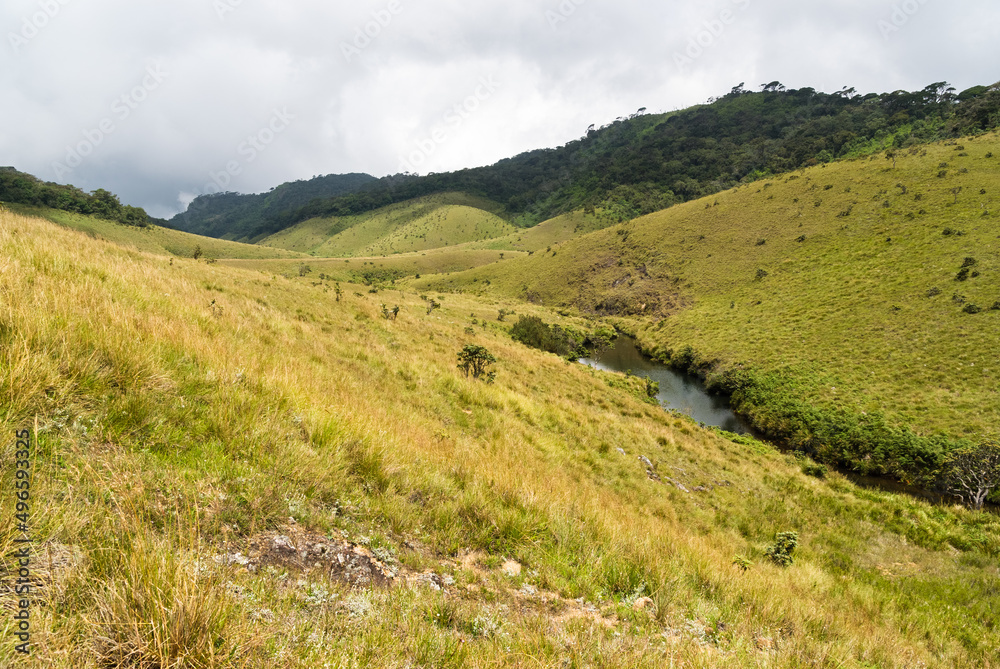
(160, 101)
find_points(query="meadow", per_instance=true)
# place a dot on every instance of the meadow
(201, 430)
(866, 290)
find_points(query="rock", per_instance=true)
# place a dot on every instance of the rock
(644, 460)
(511, 568)
(644, 604)
(283, 543)
(621, 450)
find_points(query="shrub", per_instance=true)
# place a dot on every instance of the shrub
(476, 360)
(761, 273)
(780, 553)
(533, 331)
(815, 469)
(962, 275)
(197, 252)
(972, 308)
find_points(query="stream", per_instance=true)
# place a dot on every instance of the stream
(680, 392)
(687, 394)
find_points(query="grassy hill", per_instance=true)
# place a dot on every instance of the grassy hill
(839, 284)
(153, 238)
(231, 470)
(248, 217)
(426, 223)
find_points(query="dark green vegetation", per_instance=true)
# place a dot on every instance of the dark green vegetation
(20, 188)
(646, 162)
(250, 217)
(565, 341)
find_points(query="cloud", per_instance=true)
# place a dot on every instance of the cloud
(372, 85)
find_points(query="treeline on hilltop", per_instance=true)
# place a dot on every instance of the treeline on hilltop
(20, 188)
(647, 162)
(249, 217)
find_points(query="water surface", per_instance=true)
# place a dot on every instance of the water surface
(681, 392)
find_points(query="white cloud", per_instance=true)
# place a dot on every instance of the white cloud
(560, 64)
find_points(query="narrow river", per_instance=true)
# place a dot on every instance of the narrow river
(681, 392)
(688, 395)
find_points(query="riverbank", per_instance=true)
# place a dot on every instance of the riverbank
(864, 445)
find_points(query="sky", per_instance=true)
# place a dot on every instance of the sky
(162, 101)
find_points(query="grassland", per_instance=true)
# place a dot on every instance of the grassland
(840, 283)
(153, 239)
(426, 223)
(433, 261)
(187, 414)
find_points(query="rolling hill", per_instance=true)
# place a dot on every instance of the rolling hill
(235, 470)
(862, 295)
(418, 225)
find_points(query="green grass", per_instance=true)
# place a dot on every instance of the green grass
(187, 412)
(857, 309)
(426, 223)
(153, 239)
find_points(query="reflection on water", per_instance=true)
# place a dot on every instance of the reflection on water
(678, 391)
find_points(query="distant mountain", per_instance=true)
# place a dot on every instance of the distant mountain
(647, 162)
(249, 217)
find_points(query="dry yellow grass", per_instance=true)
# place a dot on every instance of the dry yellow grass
(184, 409)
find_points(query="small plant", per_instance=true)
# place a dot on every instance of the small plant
(972, 308)
(742, 563)
(504, 313)
(933, 292)
(968, 262)
(761, 242)
(390, 314)
(337, 289)
(652, 387)
(962, 275)
(815, 469)
(996, 306)
(432, 306)
(780, 553)
(761, 273)
(476, 360)
(197, 252)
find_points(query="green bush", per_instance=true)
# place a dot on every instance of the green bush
(534, 332)
(815, 469)
(476, 360)
(780, 552)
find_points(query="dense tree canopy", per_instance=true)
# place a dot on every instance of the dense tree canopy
(20, 188)
(645, 162)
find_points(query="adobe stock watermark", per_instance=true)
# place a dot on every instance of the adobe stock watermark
(454, 118)
(223, 7)
(562, 13)
(900, 16)
(249, 150)
(32, 25)
(706, 38)
(121, 108)
(371, 30)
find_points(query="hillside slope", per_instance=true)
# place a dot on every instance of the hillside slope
(842, 282)
(230, 470)
(154, 238)
(249, 217)
(426, 223)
